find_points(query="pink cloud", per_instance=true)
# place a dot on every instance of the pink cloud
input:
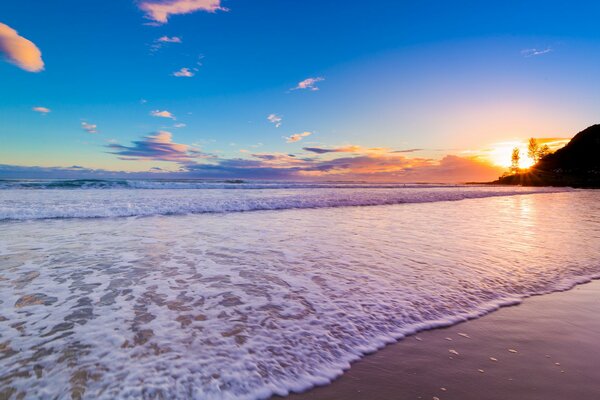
(297, 137)
(184, 73)
(42, 110)
(157, 146)
(20, 51)
(167, 39)
(160, 10)
(308, 83)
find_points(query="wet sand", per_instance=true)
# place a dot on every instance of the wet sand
(547, 348)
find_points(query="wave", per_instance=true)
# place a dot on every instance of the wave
(249, 306)
(194, 184)
(30, 205)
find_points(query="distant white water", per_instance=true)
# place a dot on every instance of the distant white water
(24, 200)
(247, 305)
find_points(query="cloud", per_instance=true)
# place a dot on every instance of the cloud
(451, 169)
(179, 125)
(157, 146)
(309, 83)
(162, 114)
(407, 151)
(275, 119)
(160, 10)
(535, 52)
(89, 128)
(184, 73)
(345, 149)
(554, 143)
(42, 110)
(167, 39)
(20, 51)
(163, 41)
(73, 172)
(296, 137)
(371, 167)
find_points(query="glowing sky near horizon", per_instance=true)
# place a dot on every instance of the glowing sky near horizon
(428, 91)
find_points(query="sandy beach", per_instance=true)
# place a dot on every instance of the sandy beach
(545, 348)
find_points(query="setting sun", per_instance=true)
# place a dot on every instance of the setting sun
(501, 154)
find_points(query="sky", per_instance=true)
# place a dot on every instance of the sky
(427, 91)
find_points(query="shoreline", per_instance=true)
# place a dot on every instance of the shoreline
(544, 347)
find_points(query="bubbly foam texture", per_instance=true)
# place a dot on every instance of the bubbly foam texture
(18, 204)
(247, 305)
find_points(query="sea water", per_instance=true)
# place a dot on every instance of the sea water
(235, 290)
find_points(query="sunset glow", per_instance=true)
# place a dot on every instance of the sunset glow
(388, 101)
(242, 199)
(501, 155)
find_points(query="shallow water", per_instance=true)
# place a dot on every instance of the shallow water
(245, 305)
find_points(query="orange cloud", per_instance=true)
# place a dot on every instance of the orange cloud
(162, 114)
(160, 11)
(373, 167)
(344, 149)
(297, 137)
(20, 51)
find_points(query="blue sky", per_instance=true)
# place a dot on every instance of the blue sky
(456, 79)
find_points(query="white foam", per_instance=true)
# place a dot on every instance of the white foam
(247, 305)
(16, 204)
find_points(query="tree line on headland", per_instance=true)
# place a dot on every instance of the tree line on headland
(577, 164)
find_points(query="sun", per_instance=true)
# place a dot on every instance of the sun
(501, 154)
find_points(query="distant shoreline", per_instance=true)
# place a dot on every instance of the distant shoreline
(544, 178)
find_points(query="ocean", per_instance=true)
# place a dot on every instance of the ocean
(244, 290)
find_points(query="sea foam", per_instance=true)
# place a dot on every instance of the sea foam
(19, 204)
(247, 305)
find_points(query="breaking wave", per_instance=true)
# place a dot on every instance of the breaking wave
(17, 204)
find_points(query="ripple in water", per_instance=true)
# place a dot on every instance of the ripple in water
(246, 305)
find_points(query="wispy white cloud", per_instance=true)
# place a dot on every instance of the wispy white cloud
(535, 52)
(309, 84)
(275, 120)
(167, 39)
(179, 125)
(297, 137)
(163, 41)
(20, 51)
(89, 128)
(159, 11)
(42, 110)
(162, 114)
(184, 73)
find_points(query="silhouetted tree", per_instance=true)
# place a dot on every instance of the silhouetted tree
(516, 158)
(543, 151)
(537, 152)
(533, 150)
